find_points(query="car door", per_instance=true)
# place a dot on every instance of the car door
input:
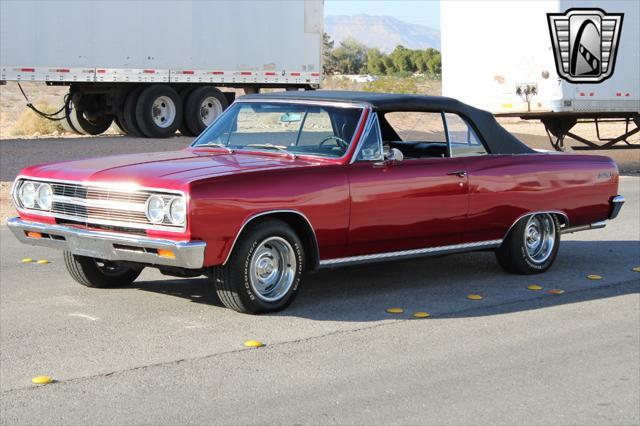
(414, 203)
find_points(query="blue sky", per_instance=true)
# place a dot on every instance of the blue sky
(423, 12)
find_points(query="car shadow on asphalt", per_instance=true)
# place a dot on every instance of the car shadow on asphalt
(441, 285)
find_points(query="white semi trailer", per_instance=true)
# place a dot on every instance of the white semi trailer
(498, 55)
(155, 67)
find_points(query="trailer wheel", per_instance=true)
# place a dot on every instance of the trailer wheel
(90, 124)
(66, 123)
(119, 126)
(159, 111)
(127, 114)
(203, 106)
(184, 129)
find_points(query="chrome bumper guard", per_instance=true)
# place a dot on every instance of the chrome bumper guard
(110, 246)
(616, 205)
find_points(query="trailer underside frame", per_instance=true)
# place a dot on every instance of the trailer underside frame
(558, 126)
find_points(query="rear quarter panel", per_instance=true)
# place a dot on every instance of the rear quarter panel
(220, 206)
(502, 188)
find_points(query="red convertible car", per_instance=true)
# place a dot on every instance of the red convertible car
(286, 183)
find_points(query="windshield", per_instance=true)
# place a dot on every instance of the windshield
(294, 128)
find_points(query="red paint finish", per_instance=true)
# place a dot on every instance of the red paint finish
(358, 208)
(412, 204)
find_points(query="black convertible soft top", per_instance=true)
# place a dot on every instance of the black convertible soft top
(498, 140)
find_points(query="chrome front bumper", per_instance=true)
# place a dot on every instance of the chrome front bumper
(110, 246)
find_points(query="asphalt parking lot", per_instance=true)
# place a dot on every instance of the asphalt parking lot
(164, 351)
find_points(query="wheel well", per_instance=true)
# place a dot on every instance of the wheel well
(562, 218)
(300, 225)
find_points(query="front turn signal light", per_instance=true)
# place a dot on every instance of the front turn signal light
(32, 234)
(166, 253)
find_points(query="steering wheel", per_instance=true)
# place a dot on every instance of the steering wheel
(339, 141)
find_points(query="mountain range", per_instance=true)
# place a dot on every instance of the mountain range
(383, 32)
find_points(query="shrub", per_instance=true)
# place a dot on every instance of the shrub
(31, 124)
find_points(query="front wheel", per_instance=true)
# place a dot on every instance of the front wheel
(98, 273)
(264, 271)
(531, 246)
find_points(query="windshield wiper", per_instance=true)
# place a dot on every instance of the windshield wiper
(270, 146)
(217, 145)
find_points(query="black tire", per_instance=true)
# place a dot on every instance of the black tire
(232, 281)
(119, 126)
(89, 124)
(196, 116)
(184, 129)
(127, 114)
(66, 124)
(513, 255)
(145, 111)
(86, 271)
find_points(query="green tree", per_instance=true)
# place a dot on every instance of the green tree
(401, 57)
(435, 65)
(350, 56)
(375, 62)
(328, 61)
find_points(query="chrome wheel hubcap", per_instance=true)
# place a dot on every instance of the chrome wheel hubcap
(540, 237)
(163, 111)
(272, 269)
(210, 109)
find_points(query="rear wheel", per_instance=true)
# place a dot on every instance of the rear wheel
(159, 111)
(531, 246)
(264, 271)
(202, 107)
(92, 272)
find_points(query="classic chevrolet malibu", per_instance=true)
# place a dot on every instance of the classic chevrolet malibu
(286, 183)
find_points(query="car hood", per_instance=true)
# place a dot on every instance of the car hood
(171, 170)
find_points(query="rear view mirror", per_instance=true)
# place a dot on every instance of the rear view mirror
(290, 117)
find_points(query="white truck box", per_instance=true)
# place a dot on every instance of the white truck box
(269, 42)
(491, 47)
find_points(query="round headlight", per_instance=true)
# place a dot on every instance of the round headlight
(178, 211)
(45, 196)
(28, 194)
(155, 209)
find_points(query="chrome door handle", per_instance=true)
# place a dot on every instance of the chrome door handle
(459, 173)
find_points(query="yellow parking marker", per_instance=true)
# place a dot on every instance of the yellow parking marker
(27, 260)
(555, 291)
(636, 269)
(594, 277)
(395, 310)
(42, 262)
(42, 380)
(421, 314)
(474, 297)
(253, 344)
(534, 287)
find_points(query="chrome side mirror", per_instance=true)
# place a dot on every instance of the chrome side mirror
(394, 156)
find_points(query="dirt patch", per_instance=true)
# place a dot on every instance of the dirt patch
(6, 203)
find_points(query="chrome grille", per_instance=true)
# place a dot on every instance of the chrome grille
(97, 205)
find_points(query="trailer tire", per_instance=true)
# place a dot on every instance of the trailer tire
(66, 123)
(119, 127)
(202, 107)
(159, 111)
(184, 129)
(90, 125)
(127, 114)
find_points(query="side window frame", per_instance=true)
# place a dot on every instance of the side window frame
(470, 126)
(373, 123)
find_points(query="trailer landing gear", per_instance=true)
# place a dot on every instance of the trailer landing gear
(560, 127)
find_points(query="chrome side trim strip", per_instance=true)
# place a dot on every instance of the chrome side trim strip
(257, 215)
(109, 245)
(597, 225)
(428, 251)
